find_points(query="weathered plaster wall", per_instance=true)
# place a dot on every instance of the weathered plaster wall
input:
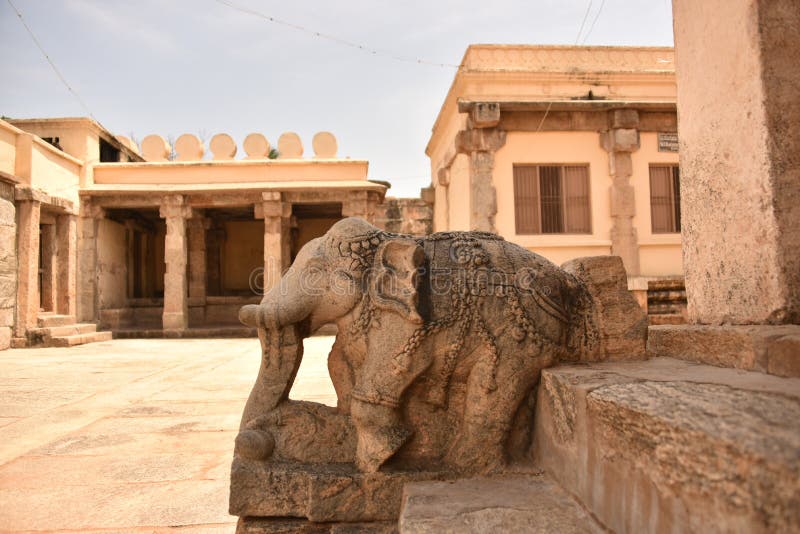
(458, 194)
(54, 174)
(112, 271)
(659, 254)
(243, 253)
(8, 151)
(740, 158)
(8, 262)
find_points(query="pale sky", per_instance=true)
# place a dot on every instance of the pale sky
(197, 66)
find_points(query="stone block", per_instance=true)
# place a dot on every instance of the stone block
(485, 114)
(621, 321)
(624, 118)
(500, 504)
(672, 446)
(318, 492)
(8, 213)
(763, 348)
(262, 525)
(623, 201)
(621, 140)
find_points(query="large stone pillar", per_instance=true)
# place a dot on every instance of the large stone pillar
(480, 141)
(175, 317)
(738, 116)
(197, 259)
(276, 214)
(66, 259)
(620, 141)
(48, 266)
(90, 216)
(8, 263)
(28, 213)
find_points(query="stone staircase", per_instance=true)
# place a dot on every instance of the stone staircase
(55, 330)
(666, 301)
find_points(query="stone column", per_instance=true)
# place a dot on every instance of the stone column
(620, 141)
(8, 263)
(480, 141)
(276, 214)
(197, 259)
(28, 213)
(66, 260)
(48, 266)
(176, 310)
(740, 159)
(90, 216)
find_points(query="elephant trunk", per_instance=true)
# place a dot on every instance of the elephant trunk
(286, 303)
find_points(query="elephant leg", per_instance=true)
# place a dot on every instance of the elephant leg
(341, 374)
(480, 443)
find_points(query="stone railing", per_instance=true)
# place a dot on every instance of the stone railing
(188, 147)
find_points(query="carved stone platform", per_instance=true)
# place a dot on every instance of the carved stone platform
(318, 492)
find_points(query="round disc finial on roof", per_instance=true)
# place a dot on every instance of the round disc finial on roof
(324, 144)
(128, 142)
(222, 146)
(155, 148)
(290, 146)
(256, 146)
(188, 147)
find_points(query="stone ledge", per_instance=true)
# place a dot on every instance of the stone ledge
(764, 348)
(669, 445)
(318, 492)
(500, 504)
(262, 525)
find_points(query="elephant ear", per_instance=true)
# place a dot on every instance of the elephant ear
(393, 285)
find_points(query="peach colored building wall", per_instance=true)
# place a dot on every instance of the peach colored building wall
(579, 148)
(8, 148)
(659, 254)
(112, 272)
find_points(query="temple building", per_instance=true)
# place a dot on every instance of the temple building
(568, 151)
(162, 242)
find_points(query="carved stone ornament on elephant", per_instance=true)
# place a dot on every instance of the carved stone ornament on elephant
(441, 340)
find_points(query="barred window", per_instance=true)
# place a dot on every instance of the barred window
(552, 199)
(665, 199)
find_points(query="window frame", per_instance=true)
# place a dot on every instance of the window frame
(561, 166)
(674, 198)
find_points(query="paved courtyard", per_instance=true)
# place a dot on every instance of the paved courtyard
(129, 435)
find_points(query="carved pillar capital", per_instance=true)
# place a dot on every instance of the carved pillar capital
(175, 206)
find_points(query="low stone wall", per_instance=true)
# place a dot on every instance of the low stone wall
(405, 215)
(8, 263)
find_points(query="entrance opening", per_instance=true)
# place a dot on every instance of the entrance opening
(310, 221)
(144, 232)
(234, 250)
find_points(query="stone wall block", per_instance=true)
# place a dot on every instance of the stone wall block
(485, 115)
(620, 166)
(623, 202)
(624, 118)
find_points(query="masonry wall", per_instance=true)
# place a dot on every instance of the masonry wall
(243, 253)
(8, 263)
(405, 216)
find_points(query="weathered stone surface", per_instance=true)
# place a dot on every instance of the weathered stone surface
(440, 343)
(322, 492)
(508, 504)
(671, 445)
(740, 159)
(764, 348)
(259, 525)
(622, 323)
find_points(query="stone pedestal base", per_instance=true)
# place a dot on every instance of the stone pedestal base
(263, 525)
(318, 492)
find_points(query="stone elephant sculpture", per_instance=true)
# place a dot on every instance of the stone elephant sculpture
(441, 340)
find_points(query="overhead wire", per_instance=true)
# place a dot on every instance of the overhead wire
(334, 38)
(53, 65)
(577, 38)
(594, 21)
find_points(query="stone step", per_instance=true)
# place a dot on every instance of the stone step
(668, 284)
(60, 331)
(666, 318)
(513, 503)
(79, 339)
(772, 349)
(666, 296)
(655, 309)
(667, 445)
(51, 319)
